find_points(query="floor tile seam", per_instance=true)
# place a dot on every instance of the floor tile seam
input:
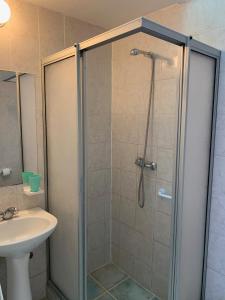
(99, 268)
(114, 287)
(118, 283)
(130, 277)
(100, 285)
(108, 293)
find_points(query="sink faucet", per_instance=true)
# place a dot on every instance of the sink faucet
(9, 213)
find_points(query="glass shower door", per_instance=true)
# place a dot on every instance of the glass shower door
(131, 108)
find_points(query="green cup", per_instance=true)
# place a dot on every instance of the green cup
(34, 182)
(25, 177)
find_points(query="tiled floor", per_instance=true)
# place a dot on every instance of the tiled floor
(110, 283)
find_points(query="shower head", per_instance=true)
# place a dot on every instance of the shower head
(136, 51)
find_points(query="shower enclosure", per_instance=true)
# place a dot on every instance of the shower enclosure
(130, 118)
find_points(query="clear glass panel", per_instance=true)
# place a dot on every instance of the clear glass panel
(131, 109)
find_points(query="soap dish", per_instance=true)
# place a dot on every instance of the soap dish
(27, 192)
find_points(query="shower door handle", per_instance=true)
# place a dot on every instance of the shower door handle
(162, 194)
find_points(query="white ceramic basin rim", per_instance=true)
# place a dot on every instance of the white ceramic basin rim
(25, 232)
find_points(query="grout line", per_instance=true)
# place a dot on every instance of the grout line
(108, 291)
(129, 277)
(117, 284)
(99, 284)
(102, 266)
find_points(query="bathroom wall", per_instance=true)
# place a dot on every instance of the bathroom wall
(33, 33)
(204, 20)
(141, 236)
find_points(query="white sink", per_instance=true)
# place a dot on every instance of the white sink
(18, 237)
(25, 232)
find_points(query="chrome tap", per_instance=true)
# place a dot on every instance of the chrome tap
(9, 213)
(141, 162)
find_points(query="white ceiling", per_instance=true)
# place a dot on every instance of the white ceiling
(104, 13)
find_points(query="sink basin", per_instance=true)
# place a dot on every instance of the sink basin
(18, 237)
(25, 232)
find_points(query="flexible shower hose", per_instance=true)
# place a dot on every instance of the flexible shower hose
(141, 189)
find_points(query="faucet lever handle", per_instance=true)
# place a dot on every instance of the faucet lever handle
(13, 210)
(9, 213)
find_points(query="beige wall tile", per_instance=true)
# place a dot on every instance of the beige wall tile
(24, 53)
(127, 212)
(128, 187)
(77, 31)
(38, 286)
(126, 261)
(116, 232)
(165, 164)
(128, 155)
(99, 156)
(116, 154)
(99, 182)
(142, 273)
(166, 131)
(38, 261)
(162, 228)
(98, 127)
(96, 258)
(161, 260)
(51, 27)
(116, 181)
(24, 20)
(115, 206)
(5, 61)
(144, 222)
(8, 197)
(96, 235)
(115, 254)
(143, 250)
(96, 209)
(166, 99)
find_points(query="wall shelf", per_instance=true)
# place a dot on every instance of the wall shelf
(27, 192)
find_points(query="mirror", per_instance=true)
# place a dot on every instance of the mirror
(18, 145)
